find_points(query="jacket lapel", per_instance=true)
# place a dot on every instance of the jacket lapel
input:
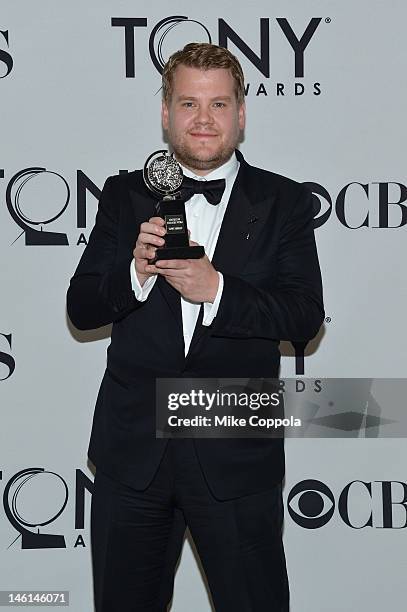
(243, 221)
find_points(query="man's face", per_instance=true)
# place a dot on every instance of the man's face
(203, 119)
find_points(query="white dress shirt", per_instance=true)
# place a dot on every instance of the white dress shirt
(204, 221)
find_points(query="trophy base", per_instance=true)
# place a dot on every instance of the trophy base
(187, 252)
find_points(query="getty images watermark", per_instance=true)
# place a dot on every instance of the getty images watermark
(271, 408)
(221, 402)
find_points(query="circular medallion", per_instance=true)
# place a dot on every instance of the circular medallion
(162, 173)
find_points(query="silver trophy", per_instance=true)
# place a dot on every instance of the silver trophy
(163, 176)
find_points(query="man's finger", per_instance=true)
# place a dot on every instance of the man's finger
(151, 269)
(170, 273)
(144, 239)
(151, 228)
(176, 264)
(157, 221)
(147, 252)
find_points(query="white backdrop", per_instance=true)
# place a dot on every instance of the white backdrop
(71, 117)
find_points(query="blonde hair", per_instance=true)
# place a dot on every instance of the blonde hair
(204, 56)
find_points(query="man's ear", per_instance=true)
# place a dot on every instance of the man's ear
(164, 115)
(242, 115)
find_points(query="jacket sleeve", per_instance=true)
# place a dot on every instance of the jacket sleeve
(100, 290)
(293, 308)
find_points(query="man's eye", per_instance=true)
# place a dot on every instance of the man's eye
(219, 104)
(188, 104)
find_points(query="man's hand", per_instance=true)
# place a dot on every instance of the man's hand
(150, 236)
(195, 279)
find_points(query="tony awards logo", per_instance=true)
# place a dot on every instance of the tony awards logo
(33, 499)
(36, 197)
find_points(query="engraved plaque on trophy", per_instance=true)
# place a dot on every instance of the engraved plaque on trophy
(163, 176)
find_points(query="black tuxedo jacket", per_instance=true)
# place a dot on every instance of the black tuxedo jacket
(272, 291)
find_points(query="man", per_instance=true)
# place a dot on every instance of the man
(219, 316)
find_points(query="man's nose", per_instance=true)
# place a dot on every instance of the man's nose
(204, 114)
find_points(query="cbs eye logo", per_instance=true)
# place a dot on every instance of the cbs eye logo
(311, 504)
(322, 203)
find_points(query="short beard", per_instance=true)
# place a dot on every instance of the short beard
(188, 160)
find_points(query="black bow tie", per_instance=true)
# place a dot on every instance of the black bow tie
(212, 190)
